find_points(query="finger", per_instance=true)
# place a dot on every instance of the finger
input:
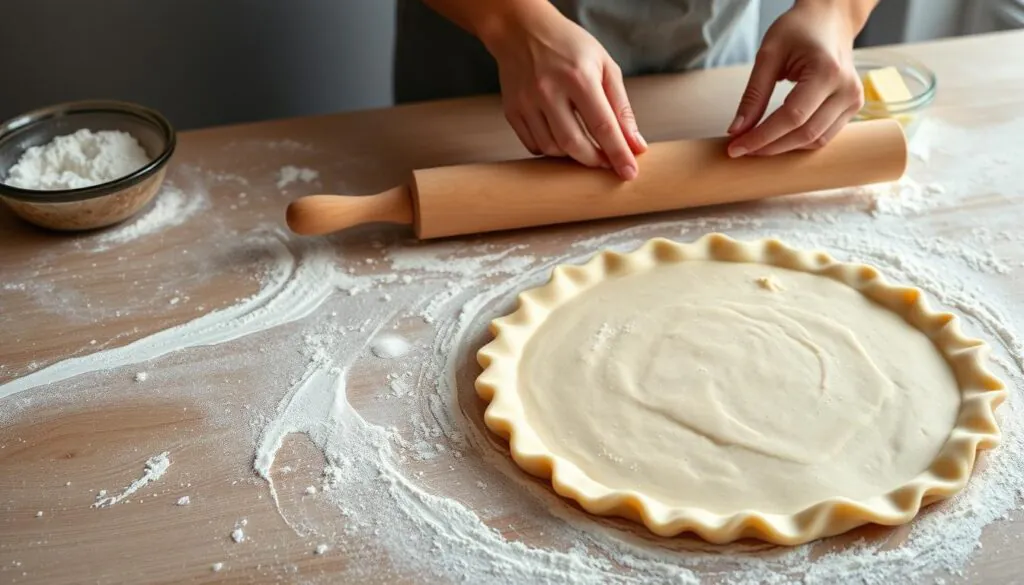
(798, 108)
(615, 91)
(819, 123)
(541, 133)
(522, 130)
(604, 128)
(763, 77)
(569, 135)
(834, 130)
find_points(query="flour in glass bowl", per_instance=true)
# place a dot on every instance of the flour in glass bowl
(74, 161)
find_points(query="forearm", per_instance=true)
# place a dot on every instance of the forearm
(855, 12)
(489, 20)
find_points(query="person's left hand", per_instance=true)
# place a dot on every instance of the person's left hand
(811, 45)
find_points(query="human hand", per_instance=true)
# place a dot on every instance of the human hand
(811, 45)
(563, 94)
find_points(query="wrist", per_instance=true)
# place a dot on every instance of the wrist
(507, 22)
(853, 14)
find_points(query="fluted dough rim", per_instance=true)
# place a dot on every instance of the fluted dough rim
(976, 427)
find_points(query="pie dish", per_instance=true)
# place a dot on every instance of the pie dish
(738, 390)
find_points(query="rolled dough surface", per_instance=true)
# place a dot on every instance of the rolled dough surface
(738, 389)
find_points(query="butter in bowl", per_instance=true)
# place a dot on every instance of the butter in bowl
(895, 87)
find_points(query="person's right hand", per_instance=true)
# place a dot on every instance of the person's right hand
(563, 94)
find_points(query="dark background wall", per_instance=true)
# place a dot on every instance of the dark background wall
(200, 62)
(211, 62)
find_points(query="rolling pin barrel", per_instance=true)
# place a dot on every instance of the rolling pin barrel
(468, 199)
(681, 174)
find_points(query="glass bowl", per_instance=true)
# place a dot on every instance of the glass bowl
(98, 205)
(919, 79)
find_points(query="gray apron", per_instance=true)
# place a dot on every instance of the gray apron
(435, 59)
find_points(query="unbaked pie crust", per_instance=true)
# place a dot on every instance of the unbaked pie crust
(745, 460)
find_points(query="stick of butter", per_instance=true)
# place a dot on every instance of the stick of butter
(886, 85)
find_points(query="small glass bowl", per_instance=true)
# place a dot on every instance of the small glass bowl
(99, 205)
(919, 79)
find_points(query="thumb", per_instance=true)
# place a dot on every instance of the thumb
(765, 73)
(615, 91)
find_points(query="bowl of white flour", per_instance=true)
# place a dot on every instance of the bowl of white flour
(83, 165)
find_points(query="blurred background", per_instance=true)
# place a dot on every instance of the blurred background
(206, 63)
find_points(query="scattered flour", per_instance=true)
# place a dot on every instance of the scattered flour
(475, 263)
(216, 567)
(439, 537)
(971, 162)
(171, 207)
(390, 346)
(294, 283)
(155, 468)
(920, 145)
(141, 376)
(943, 538)
(320, 549)
(75, 161)
(519, 530)
(903, 199)
(183, 501)
(290, 174)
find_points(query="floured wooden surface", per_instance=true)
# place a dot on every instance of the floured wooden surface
(252, 358)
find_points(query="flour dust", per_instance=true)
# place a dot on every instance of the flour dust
(412, 476)
(171, 207)
(155, 468)
(290, 174)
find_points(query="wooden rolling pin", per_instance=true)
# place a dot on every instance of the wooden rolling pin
(475, 198)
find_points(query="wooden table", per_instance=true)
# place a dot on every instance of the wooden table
(69, 296)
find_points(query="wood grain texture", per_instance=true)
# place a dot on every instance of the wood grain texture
(96, 432)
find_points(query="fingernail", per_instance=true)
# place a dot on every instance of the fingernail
(640, 138)
(736, 123)
(737, 151)
(629, 172)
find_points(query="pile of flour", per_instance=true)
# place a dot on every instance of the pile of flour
(75, 161)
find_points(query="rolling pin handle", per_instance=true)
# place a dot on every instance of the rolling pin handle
(314, 215)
